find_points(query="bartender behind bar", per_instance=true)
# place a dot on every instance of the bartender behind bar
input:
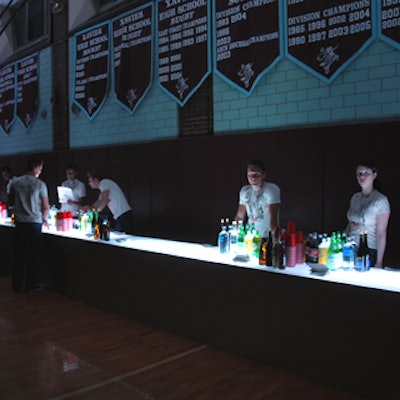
(259, 201)
(111, 196)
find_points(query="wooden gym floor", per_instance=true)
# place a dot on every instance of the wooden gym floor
(53, 347)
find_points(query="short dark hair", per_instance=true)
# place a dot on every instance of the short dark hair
(33, 163)
(368, 164)
(257, 163)
(72, 166)
(94, 174)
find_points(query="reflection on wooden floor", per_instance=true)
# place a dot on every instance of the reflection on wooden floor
(54, 347)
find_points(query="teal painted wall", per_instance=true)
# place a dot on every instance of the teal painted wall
(286, 97)
(40, 136)
(155, 118)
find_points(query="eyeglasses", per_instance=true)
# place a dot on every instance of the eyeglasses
(254, 174)
(361, 174)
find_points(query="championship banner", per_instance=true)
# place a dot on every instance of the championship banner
(27, 90)
(183, 43)
(389, 21)
(7, 96)
(132, 56)
(324, 37)
(91, 68)
(247, 40)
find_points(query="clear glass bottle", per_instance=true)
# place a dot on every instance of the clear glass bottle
(223, 239)
(348, 254)
(233, 237)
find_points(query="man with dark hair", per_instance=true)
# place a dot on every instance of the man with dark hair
(29, 196)
(77, 187)
(111, 196)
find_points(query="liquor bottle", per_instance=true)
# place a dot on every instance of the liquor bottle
(323, 250)
(270, 245)
(95, 221)
(367, 253)
(240, 239)
(262, 257)
(348, 254)
(313, 248)
(256, 244)
(278, 259)
(223, 239)
(363, 261)
(233, 237)
(248, 241)
(334, 253)
(105, 229)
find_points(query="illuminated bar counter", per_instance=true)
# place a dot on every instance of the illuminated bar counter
(342, 328)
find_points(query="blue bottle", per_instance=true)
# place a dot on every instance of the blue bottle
(223, 240)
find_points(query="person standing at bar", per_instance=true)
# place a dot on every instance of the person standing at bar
(259, 201)
(78, 190)
(29, 196)
(5, 184)
(369, 211)
(111, 196)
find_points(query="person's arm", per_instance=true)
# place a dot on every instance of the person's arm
(102, 201)
(78, 202)
(381, 233)
(45, 210)
(11, 197)
(274, 215)
(241, 213)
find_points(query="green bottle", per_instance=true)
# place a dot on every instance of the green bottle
(256, 244)
(240, 239)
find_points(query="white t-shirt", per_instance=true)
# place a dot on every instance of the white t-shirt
(118, 204)
(363, 212)
(257, 205)
(78, 190)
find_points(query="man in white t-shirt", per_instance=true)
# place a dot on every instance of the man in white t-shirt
(259, 201)
(111, 196)
(78, 190)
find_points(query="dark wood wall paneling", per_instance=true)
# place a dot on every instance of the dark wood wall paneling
(181, 188)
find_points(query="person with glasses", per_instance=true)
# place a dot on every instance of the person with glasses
(78, 190)
(369, 211)
(259, 201)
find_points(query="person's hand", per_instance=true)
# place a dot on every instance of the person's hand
(46, 224)
(378, 265)
(84, 208)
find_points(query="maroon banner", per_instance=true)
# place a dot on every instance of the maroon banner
(247, 40)
(7, 96)
(183, 47)
(132, 43)
(91, 68)
(390, 21)
(323, 36)
(27, 90)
